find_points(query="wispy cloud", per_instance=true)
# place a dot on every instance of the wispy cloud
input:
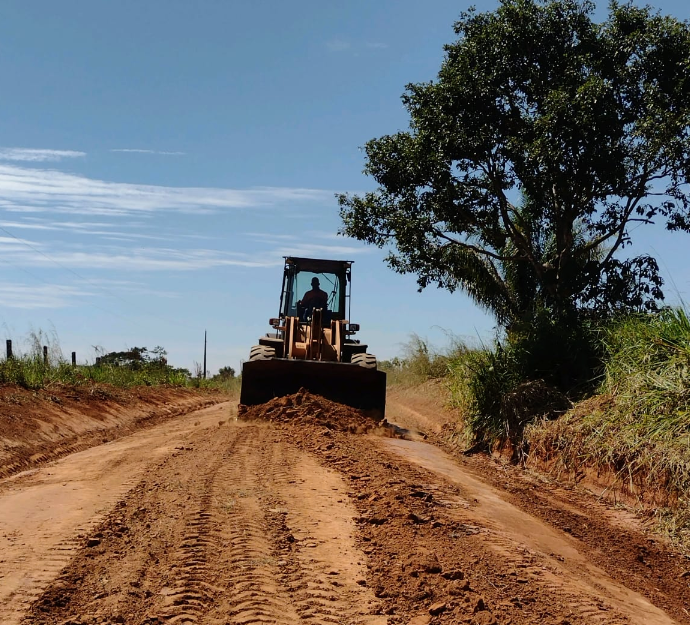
(126, 287)
(28, 190)
(67, 226)
(39, 296)
(9, 243)
(269, 236)
(49, 204)
(34, 296)
(322, 251)
(85, 229)
(144, 259)
(37, 155)
(141, 151)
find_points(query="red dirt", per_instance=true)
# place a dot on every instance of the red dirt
(39, 426)
(293, 516)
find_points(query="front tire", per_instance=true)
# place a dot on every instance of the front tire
(368, 361)
(262, 352)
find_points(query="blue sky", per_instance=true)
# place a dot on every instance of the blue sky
(158, 158)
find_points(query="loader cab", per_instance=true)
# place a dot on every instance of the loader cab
(334, 279)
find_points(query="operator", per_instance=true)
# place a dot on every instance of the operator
(315, 298)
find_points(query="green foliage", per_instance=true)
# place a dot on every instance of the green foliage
(135, 358)
(588, 123)
(30, 372)
(498, 391)
(230, 385)
(544, 139)
(648, 363)
(224, 380)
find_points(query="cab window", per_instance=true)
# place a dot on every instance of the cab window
(328, 282)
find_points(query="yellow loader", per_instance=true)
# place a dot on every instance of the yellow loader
(311, 346)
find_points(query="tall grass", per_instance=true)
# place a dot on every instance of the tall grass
(496, 398)
(419, 362)
(638, 427)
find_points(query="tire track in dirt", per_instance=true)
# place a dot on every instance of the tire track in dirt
(159, 557)
(553, 563)
(30, 576)
(192, 595)
(48, 515)
(215, 534)
(528, 567)
(255, 594)
(325, 590)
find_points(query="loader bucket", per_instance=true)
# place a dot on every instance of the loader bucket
(344, 383)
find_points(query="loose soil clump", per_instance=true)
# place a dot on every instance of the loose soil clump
(305, 408)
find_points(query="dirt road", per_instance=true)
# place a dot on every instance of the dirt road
(306, 517)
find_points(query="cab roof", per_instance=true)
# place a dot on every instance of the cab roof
(318, 265)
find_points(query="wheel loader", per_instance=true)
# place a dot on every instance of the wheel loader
(312, 344)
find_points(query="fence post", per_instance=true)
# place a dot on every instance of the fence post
(74, 359)
(45, 355)
(9, 349)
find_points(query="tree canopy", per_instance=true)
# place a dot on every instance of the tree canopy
(135, 358)
(545, 138)
(225, 373)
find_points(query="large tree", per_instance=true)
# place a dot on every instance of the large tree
(545, 138)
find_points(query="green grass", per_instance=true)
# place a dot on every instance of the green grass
(638, 426)
(30, 371)
(496, 399)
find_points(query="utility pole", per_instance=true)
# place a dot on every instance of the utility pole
(204, 354)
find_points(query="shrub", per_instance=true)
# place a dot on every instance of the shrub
(491, 390)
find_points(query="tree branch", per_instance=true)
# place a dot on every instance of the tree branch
(474, 248)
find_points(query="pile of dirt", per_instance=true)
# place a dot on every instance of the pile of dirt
(47, 424)
(305, 408)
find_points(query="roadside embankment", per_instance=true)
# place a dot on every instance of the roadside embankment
(619, 455)
(626, 437)
(37, 426)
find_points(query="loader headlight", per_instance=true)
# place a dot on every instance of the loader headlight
(354, 327)
(274, 322)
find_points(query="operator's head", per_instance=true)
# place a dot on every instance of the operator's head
(315, 283)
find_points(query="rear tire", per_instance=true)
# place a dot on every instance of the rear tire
(368, 361)
(262, 352)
